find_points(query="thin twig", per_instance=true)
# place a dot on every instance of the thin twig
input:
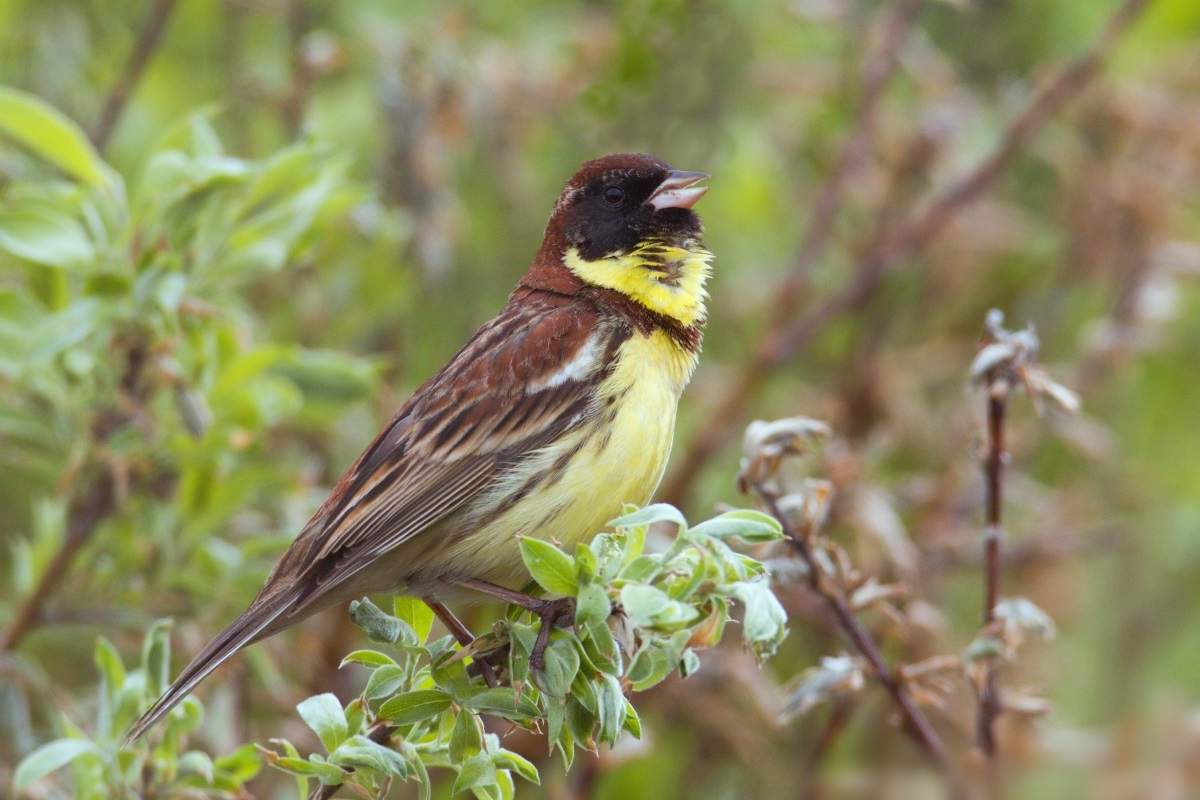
(917, 724)
(876, 75)
(86, 513)
(993, 468)
(786, 336)
(147, 42)
(817, 235)
(831, 731)
(91, 505)
(297, 97)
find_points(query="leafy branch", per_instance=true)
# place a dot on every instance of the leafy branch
(767, 446)
(643, 608)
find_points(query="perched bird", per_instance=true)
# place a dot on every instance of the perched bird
(553, 415)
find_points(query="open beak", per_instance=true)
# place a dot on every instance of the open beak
(678, 190)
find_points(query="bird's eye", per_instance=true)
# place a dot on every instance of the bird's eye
(613, 195)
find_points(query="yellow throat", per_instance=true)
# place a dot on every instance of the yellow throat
(664, 278)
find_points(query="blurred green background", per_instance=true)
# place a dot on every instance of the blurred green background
(322, 201)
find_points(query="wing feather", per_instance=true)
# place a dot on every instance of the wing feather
(504, 396)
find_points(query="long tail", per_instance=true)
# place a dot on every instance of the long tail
(242, 631)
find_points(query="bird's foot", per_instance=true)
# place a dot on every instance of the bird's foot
(552, 613)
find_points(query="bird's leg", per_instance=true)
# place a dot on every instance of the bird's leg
(525, 601)
(560, 611)
(464, 636)
(551, 613)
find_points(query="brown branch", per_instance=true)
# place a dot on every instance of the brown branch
(917, 724)
(785, 336)
(817, 236)
(143, 49)
(87, 511)
(91, 506)
(993, 469)
(297, 97)
(831, 731)
(850, 158)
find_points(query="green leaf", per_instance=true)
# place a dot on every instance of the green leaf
(562, 663)
(476, 772)
(611, 708)
(601, 647)
(242, 764)
(591, 605)
(467, 739)
(45, 234)
(328, 774)
(384, 681)
(643, 603)
(504, 702)
(659, 512)
(49, 134)
(648, 606)
(380, 626)
(452, 677)
(553, 569)
(156, 657)
(581, 723)
(186, 717)
(764, 622)
(108, 661)
(651, 664)
(414, 706)
(521, 640)
(197, 763)
(48, 758)
(507, 759)
(641, 568)
(746, 524)
(556, 713)
(323, 713)
(360, 751)
(356, 715)
(633, 723)
(368, 658)
(609, 550)
(329, 377)
(416, 613)
(585, 564)
(689, 664)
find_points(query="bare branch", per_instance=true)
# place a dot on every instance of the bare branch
(993, 467)
(786, 336)
(916, 722)
(86, 513)
(147, 42)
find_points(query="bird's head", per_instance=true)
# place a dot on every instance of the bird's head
(625, 222)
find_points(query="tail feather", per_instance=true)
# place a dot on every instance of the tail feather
(242, 631)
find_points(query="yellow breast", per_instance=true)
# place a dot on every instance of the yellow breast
(618, 457)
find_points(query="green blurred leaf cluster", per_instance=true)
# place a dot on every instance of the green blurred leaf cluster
(130, 352)
(102, 767)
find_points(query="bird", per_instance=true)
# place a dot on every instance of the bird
(552, 417)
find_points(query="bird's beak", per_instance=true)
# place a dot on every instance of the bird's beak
(678, 190)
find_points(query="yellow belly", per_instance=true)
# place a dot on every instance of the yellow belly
(617, 457)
